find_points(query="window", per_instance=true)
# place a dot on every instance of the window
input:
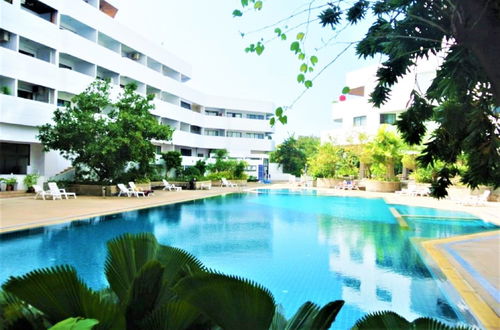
(158, 149)
(63, 103)
(337, 123)
(25, 94)
(359, 121)
(234, 114)
(252, 116)
(186, 152)
(196, 129)
(14, 158)
(201, 155)
(383, 295)
(388, 118)
(64, 66)
(212, 113)
(234, 134)
(26, 53)
(185, 105)
(254, 135)
(212, 132)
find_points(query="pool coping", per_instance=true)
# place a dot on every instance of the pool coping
(435, 249)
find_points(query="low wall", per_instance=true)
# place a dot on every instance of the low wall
(186, 185)
(96, 190)
(382, 186)
(240, 183)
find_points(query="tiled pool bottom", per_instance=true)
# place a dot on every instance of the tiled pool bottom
(302, 247)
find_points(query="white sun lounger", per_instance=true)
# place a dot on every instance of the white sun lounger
(124, 190)
(170, 186)
(226, 183)
(135, 191)
(58, 193)
(476, 200)
(40, 192)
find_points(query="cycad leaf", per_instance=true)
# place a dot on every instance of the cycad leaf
(177, 315)
(178, 263)
(126, 256)
(326, 316)
(279, 321)
(231, 302)
(304, 317)
(382, 320)
(432, 324)
(60, 294)
(75, 323)
(144, 293)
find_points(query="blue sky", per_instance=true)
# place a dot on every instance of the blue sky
(205, 34)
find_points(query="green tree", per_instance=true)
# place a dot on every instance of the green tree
(100, 136)
(464, 97)
(293, 153)
(332, 162)
(173, 160)
(201, 165)
(386, 150)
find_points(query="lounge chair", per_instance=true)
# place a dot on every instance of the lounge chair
(476, 200)
(40, 192)
(170, 186)
(410, 191)
(226, 183)
(124, 190)
(58, 193)
(135, 191)
(206, 186)
(348, 185)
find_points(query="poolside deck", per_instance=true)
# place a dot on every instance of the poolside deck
(476, 279)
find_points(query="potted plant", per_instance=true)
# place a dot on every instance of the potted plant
(29, 181)
(10, 184)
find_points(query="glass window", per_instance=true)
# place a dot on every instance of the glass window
(211, 113)
(359, 121)
(388, 118)
(234, 114)
(63, 103)
(158, 149)
(337, 123)
(196, 129)
(185, 105)
(14, 158)
(212, 132)
(186, 152)
(234, 134)
(253, 116)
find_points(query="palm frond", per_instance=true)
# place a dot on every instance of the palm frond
(326, 315)
(304, 317)
(432, 324)
(382, 320)
(231, 302)
(75, 323)
(177, 315)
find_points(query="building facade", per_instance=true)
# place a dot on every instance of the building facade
(51, 50)
(356, 115)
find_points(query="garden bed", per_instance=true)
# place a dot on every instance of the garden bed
(382, 186)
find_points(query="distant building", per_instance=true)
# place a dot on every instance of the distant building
(51, 50)
(357, 115)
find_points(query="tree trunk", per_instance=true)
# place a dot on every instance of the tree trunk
(389, 170)
(476, 25)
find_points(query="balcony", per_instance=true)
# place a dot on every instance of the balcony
(36, 50)
(19, 111)
(70, 24)
(40, 9)
(69, 62)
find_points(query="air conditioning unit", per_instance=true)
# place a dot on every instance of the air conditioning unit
(4, 36)
(135, 56)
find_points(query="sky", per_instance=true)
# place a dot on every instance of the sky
(204, 34)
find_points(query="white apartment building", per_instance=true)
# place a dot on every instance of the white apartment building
(51, 50)
(357, 115)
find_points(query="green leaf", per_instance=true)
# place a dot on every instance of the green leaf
(295, 47)
(75, 323)
(279, 111)
(381, 320)
(237, 13)
(302, 56)
(283, 36)
(346, 90)
(272, 121)
(326, 315)
(303, 68)
(314, 60)
(301, 78)
(259, 48)
(308, 83)
(231, 302)
(283, 119)
(310, 69)
(244, 3)
(177, 315)
(257, 5)
(300, 36)
(60, 294)
(277, 31)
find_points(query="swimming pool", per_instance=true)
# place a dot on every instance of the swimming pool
(299, 245)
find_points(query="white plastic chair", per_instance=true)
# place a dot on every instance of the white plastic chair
(135, 191)
(40, 192)
(124, 190)
(476, 200)
(58, 193)
(170, 186)
(226, 183)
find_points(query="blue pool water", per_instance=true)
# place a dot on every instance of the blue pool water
(299, 245)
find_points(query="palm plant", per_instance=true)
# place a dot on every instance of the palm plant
(151, 286)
